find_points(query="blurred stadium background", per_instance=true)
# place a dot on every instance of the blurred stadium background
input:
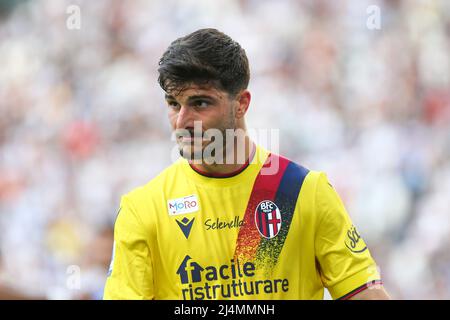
(83, 121)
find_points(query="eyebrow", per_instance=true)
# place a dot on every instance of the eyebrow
(192, 98)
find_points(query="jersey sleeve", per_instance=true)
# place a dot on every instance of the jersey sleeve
(346, 266)
(130, 275)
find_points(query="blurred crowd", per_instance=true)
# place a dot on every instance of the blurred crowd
(83, 121)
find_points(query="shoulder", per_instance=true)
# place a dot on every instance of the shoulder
(156, 186)
(313, 185)
(144, 203)
(294, 170)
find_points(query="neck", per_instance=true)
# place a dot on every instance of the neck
(229, 168)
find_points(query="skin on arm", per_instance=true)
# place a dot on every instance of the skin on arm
(9, 293)
(375, 293)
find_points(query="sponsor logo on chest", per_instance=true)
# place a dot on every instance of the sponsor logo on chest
(188, 204)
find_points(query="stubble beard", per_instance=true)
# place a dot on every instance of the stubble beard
(198, 155)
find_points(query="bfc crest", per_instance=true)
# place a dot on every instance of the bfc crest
(268, 219)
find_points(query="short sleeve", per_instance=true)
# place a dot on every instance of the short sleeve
(346, 266)
(130, 274)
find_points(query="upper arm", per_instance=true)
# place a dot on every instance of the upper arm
(345, 263)
(131, 274)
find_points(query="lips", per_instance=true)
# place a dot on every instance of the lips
(190, 139)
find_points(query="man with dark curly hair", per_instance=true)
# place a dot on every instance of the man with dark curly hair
(230, 219)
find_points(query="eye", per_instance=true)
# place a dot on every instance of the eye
(201, 104)
(173, 104)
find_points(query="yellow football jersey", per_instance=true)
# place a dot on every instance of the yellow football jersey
(274, 230)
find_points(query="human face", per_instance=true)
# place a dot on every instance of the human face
(213, 108)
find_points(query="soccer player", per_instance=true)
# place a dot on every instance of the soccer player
(257, 226)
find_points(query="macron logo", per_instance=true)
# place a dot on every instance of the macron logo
(183, 205)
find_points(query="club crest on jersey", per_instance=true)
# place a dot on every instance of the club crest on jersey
(268, 219)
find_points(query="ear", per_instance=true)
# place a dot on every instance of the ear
(243, 100)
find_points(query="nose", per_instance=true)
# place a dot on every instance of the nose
(184, 118)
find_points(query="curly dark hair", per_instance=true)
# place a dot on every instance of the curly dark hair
(206, 56)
